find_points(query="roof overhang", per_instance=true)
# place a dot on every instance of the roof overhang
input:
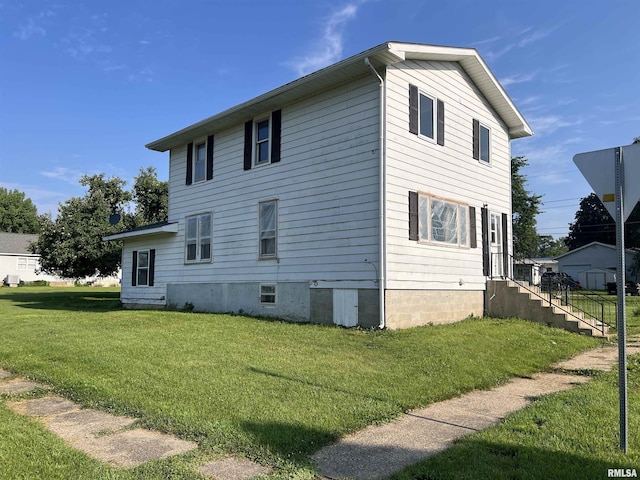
(165, 229)
(386, 54)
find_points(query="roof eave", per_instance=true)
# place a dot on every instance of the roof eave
(166, 229)
(383, 55)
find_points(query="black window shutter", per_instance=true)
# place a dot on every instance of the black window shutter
(413, 216)
(152, 265)
(248, 144)
(505, 245)
(473, 234)
(440, 122)
(134, 269)
(413, 109)
(189, 178)
(276, 131)
(485, 241)
(476, 139)
(209, 157)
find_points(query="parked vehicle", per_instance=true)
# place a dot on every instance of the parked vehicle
(631, 288)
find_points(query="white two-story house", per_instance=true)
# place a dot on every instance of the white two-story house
(374, 192)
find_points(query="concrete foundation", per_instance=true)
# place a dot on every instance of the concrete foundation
(412, 308)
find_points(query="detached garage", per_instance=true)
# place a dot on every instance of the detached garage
(594, 265)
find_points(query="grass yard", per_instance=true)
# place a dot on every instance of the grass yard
(271, 391)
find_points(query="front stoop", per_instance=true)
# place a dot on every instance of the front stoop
(505, 298)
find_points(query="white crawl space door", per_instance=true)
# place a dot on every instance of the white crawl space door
(345, 307)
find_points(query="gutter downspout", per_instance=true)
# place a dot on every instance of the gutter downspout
(383, 267)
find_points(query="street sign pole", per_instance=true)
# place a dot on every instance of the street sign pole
(622, 336)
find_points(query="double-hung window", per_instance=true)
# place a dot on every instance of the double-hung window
(143, 268)
(262, 135)
(443, 221)
(426, 115)
(268, 230)
(262, 140)
(198, 238)
(200, 162)
(481, 142)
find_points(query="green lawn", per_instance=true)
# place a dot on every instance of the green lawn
(271, 391)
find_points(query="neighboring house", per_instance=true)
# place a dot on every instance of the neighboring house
(531, 269)
(17, 263)
(594, 265)
(373, 192)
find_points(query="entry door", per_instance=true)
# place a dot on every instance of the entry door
(495, 241)
(345, 307)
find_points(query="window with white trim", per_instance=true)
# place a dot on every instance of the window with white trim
(142, 267)
(27, 263)
(198, 238)
(427, 117)
(481, 142)
(268, 294)
(485, 144)
(199, 166)
(443, 221)
(262, 134)
(268, 230)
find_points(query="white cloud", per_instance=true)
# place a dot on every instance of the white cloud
(518, 78)
(546, 124)
(331, 44)
(65, 174)
(34, 26)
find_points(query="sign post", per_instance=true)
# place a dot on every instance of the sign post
(621, 311)
(609, 185)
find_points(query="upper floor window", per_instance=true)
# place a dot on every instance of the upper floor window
(198, 170)
(481, 142)
(426, 115)
(198, 238)
(200, 161)
(262, 152)
(262, 140)
(268, 231)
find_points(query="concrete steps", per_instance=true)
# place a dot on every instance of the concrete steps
(506, 298)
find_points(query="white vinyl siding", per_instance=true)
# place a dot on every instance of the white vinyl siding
(327, 188)
(447, 172)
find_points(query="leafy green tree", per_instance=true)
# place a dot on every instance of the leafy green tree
(525, 208)
(594, 224)
(71, 246)
(550, 248)
(17, 213)
(151, 197)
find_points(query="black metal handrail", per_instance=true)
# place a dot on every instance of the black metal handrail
(597, 311)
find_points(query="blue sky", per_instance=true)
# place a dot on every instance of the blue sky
(85, 85)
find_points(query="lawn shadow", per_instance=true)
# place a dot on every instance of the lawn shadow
(287, 440)
(477, 459)
(95, 299)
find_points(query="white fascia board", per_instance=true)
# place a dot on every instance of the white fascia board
(168, 229)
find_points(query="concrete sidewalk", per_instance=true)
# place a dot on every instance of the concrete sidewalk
(379, 451)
